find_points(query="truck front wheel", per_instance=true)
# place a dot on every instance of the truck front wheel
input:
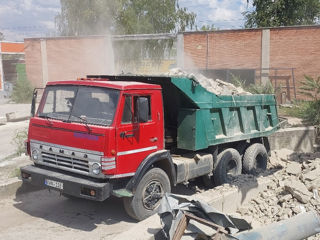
(149, 192)
(228, 164)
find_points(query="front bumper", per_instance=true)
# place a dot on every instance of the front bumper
(74, 186)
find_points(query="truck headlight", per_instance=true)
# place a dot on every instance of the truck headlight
(35, 154)
(96, 168)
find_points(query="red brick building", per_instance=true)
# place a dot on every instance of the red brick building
(11, 54)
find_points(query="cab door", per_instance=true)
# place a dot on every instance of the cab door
(137, 136)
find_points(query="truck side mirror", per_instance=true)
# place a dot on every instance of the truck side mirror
(143, 109)
(33, 104)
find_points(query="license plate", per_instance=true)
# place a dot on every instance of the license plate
(54, 184)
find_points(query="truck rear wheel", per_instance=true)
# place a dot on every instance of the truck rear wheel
(228, 164)
(255, 158)
(149, 192)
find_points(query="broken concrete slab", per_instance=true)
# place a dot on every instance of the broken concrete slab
(294, 168)
(298, 190)
(312, 175)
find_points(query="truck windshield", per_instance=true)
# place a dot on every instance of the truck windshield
(92, 105)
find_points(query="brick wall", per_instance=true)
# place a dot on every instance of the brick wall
(225, 49)
(291, 47)
(33, 62)
(298, 48)
(67, 58)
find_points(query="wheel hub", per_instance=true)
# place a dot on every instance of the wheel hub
(152, 195)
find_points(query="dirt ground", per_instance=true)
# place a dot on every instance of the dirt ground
(43, 215)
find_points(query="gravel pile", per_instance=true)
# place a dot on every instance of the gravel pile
(294, 189)
(215, 86)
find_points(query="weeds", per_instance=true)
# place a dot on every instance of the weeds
(15, 173)
(19, 139)
(253, 88)
(22, 91)
(311, 88)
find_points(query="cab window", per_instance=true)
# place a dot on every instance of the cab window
(127, 110)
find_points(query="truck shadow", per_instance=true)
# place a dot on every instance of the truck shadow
(87, 215)
(79, 214)
(247, 187)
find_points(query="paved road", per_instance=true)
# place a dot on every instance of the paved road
(7, 133)
(43, 215)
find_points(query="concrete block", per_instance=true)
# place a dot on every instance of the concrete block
(3, 120)
(10, 187)
(10, 116)
(13, 117)
(298, 139)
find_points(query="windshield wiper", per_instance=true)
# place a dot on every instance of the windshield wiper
(47, 118)
(84, 120)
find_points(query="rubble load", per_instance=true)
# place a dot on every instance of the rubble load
(215, 86)
(293, 189)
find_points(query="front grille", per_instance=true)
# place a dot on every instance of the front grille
(65, 161)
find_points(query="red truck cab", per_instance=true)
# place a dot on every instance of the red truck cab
(89, 137)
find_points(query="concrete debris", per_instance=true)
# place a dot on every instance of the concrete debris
(298, 190)
(293, 168)
(216, 86)
(293, 189)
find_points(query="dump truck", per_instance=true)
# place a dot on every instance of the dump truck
(136, 137)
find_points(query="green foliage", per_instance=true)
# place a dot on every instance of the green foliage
(93, 17)
(274, 13)
(261, 88)
(19, 139)
(15, 173)
(312, 112)
(208, 28)
(297, 110)
(96, 17)
(237, 81)
(253, 88)
(22, 91)
(308, 110)
(311, 87)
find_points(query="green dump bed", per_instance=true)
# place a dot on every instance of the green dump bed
(196, 118)
(221, 119)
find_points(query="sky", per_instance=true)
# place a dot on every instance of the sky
(21, 19)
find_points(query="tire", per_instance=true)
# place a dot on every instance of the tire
(228, 164)
(153, 185)
(255, 159)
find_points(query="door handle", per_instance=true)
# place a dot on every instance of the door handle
(154, 139)
(125, 135)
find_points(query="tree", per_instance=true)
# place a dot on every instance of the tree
(274, 13)
(1, 36)
(207, 27)
(91, 17)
